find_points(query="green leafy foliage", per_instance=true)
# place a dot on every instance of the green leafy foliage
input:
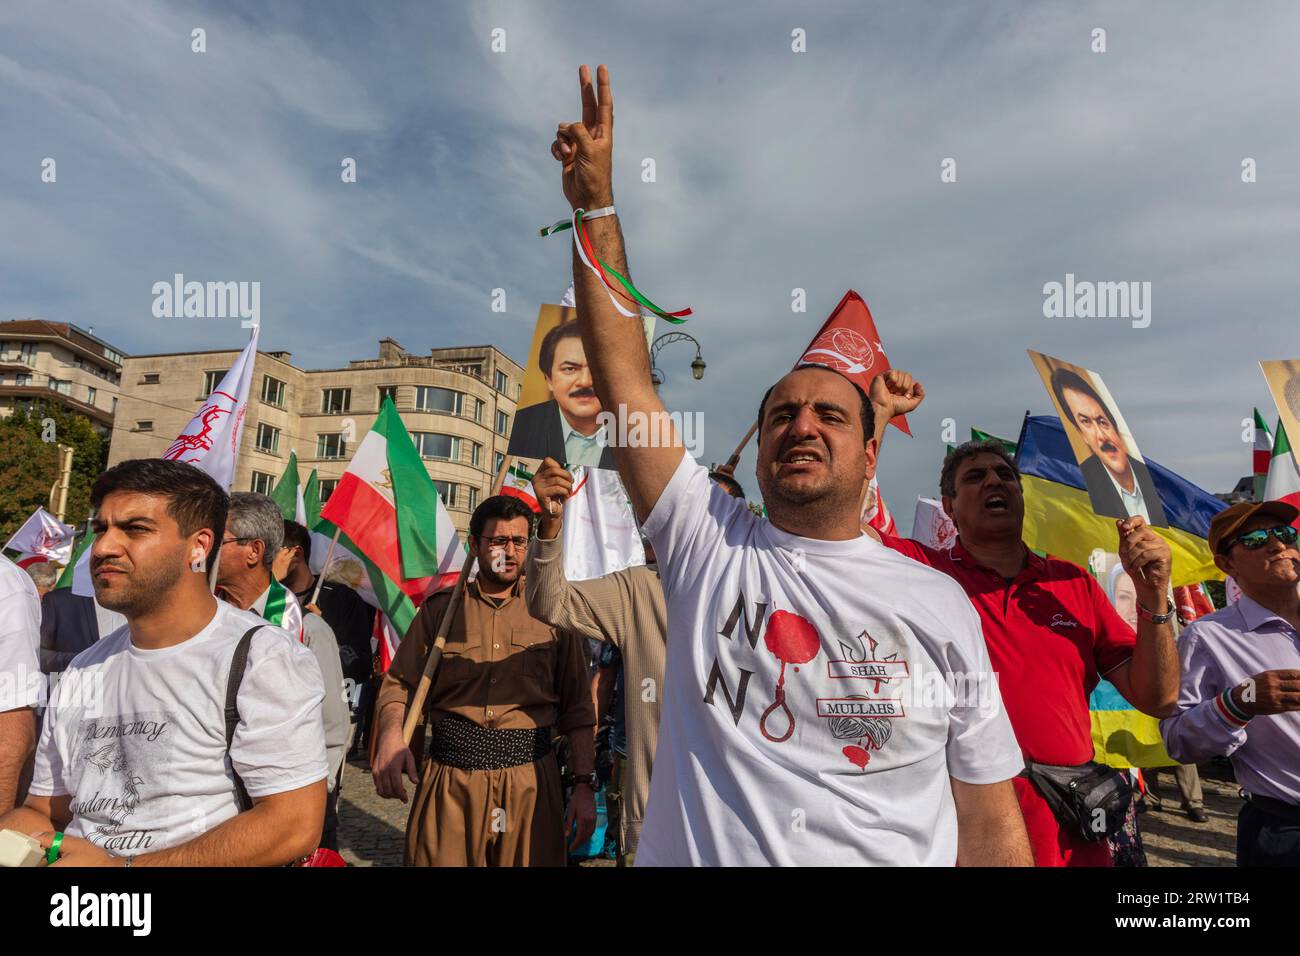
(29, 464)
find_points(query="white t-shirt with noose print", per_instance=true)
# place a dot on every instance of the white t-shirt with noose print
(819, 696)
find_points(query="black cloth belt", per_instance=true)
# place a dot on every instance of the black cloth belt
(460, 743)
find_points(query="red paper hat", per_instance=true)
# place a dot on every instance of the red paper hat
(849, 344)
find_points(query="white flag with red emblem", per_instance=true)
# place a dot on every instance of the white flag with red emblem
(931, 526)
(45, 535)
(210, 442)
(876, 513)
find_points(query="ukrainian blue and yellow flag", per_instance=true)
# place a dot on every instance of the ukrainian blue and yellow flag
(1121, 736)
(1059, 518)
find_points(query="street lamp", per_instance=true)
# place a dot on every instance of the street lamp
(668, 338)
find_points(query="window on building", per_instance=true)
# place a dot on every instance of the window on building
(91, 392)
(503, 423)
(152, 378)
(387, 391)
(327, 487)
(268, 438)
(501, 381)
(433, 445)
(272, 391)
(22, 379)
(62, 386)
(113, 410)
(114, 357)
(475, 451)
(432, 399)
(473, 498)
(335, 400)
(497, 460)
(479, 405)
(88, 366)
(330, 446)
(28, 353)
(144, 426)
(210, 381)
(447, 491)
(263, 483)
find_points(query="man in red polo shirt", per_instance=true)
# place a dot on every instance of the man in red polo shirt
(1050, 630)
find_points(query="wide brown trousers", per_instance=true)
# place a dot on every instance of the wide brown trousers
(511, 817)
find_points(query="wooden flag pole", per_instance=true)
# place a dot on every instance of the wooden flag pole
(734, 460)
(315, 595)
(415, 711)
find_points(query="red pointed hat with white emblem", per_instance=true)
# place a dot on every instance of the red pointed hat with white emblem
(848, 343)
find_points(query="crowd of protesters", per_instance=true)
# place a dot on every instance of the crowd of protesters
(757, 693)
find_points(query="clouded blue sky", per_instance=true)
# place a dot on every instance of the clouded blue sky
(775, 170)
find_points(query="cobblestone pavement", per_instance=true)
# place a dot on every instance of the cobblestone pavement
(1171, 839)
(371, 829)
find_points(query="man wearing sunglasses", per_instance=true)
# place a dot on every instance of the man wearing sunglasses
(1240, 693)
(489, 792)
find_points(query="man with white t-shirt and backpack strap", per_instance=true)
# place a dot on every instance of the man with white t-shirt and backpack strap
(808, 711)
(133, 767)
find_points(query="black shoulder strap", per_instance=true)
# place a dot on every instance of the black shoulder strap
(238, 664)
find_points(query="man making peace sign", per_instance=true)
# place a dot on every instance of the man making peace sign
(794, 729)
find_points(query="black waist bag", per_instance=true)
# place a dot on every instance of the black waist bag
(1090, 800)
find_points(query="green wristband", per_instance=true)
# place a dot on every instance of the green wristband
(52, 854)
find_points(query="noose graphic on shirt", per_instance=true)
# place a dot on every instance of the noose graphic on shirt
(792, 640)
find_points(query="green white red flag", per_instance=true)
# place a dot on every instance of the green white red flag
(1283, 477)
(518, 483)
(1262, 456)
(389, 512)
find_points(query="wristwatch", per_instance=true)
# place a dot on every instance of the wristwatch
(588, 778)
(1146, 615)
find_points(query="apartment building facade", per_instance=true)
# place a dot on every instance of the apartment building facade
(59, 361)
(457, 403)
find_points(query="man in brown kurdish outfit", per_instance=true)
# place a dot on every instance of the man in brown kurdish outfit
(489, 791)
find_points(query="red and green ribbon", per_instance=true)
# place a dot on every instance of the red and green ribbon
(604, 270)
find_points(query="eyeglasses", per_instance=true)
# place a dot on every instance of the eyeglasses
(502, 540)
(1252, 540)
(227, 541)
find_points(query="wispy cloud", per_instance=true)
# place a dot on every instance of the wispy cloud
(775, 170)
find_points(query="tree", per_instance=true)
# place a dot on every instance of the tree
(29, 462)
